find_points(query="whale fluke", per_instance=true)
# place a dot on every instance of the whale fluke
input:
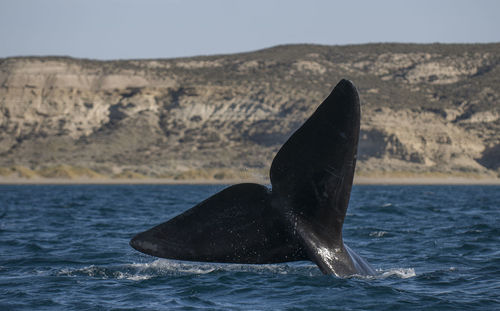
(236, 225)
(301, 218)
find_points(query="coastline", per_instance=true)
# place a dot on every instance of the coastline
(452, 180)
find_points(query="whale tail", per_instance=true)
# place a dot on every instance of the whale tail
(236, 225)
(300, 219)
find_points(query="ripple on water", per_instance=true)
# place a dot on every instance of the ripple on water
(66, 247)
(165, 267)
(403, 273)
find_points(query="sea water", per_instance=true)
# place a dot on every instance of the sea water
(66, 248)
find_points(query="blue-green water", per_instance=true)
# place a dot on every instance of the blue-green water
(66, 248)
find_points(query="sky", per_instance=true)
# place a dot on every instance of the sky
(126, 29)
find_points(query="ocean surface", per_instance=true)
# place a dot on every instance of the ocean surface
(65, 247)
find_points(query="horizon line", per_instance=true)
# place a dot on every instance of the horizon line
(244, 52)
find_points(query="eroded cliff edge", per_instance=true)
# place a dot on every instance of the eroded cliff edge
(427, 110)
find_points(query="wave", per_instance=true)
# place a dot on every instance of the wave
(165, 267)
(403, 273)
(378, 234)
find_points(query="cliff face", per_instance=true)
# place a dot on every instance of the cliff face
(425, 109)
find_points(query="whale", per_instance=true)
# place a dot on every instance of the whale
(299, 218)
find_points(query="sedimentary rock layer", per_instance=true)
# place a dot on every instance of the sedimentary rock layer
(426, 109)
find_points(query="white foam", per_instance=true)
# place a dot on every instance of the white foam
(92, 270)
(160, 267)
(403, 273)
(378, 234)
(165, 266)
(133, 277)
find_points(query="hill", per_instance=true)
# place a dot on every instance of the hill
(427, 110)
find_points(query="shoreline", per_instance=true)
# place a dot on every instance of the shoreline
(452, 180)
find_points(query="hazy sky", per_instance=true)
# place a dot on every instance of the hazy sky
(110, 29)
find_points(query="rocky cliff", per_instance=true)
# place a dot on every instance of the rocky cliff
(426, 109)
